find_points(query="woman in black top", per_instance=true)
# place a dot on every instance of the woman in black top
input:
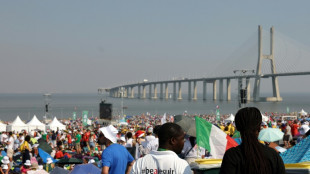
(251, 157)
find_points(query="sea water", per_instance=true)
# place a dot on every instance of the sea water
(63, 105)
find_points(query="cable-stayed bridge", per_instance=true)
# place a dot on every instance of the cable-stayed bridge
(250, 62)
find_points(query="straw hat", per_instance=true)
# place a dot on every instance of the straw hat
(49, 160)
(27, 163)
(5, 160)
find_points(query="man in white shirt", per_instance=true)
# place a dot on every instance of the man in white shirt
(10, 145)
(165, 159)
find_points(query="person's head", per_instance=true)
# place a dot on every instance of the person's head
(248, 121)
(27, 138)
(171, 137)
(129, 135)
(156, 129)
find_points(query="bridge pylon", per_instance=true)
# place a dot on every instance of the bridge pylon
(259, 75)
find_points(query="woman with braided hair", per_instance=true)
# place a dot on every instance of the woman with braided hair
(251, 157)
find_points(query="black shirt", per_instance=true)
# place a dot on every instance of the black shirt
(234, 161)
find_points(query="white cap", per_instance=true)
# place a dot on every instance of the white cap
(110, 133)
(91, 161)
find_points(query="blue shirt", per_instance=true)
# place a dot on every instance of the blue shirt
(116, 157)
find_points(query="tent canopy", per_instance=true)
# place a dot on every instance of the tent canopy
(34, 123)
(56, 124)
(265, 118)
(302, 112)
(2, 127)
(231, 118)
(17, 125)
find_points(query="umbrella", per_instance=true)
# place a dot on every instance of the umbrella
(85, 168)
(298, 153)
(187, 124)
(45, 146)
(70, 161)
(59, 170)
(270, 135)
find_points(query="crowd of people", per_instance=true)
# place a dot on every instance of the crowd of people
(143, 145)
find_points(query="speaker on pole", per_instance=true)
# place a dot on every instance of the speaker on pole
(243, 96)
(105, 111)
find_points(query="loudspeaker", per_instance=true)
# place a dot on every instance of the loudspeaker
(243, 96)
(105, 111)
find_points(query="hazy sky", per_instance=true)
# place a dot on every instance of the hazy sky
(78, 46)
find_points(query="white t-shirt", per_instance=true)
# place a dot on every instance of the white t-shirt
(161, 162)
(152, 145)
(303, 129)
(129, 143)
(11, 143)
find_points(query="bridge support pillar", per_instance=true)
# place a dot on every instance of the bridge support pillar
(204, 90)
(214, 90)
(166, 91)
(139, 91)
(248, 89)
(221, 89)
(180, 91)
(150, 91)
(228, 90)
(174, 91)
(189, 90)
(261, 57)
(144, 92)
(132, 92)
(161, 95)
(195, 90)
(155, 91)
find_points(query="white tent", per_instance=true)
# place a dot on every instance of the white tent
(231, 118)
(302, 112)
(17, 125)
(265, 118)
(56, 124)
(34, 123)
(2, 127)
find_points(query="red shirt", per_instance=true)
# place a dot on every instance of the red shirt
(69, 138)
(59, 154)
(294, 129)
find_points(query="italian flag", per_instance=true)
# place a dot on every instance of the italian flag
(213, 138)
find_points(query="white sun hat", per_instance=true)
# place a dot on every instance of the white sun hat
(110, 133)
(49, 160)
(4, 166)
(27, 163)
(5, 160)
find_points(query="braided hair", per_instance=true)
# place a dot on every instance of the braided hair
(248, 122)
